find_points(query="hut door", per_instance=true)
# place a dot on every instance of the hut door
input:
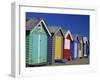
(35, 48)
(58, 47)
(85, 49)
(75, 50)
(43, 47)
(67, 44)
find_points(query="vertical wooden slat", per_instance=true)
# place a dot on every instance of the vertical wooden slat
(49, 50)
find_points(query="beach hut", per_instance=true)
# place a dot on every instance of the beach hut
(57, 43)
(80, 47)
(67, 45)
(36, 41)
(86, 47)
(74, 47)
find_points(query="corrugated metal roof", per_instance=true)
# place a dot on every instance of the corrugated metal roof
(31, 23)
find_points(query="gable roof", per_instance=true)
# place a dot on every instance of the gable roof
(68, 33)
(55, 30)
(80, 38)
(75, 37)
(32, 24)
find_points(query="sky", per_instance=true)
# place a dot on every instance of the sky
(77, 24)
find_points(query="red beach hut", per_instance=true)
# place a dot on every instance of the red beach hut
(67, 45)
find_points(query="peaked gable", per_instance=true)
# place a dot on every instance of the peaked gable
(59, 33)
(69, 35)
(40, 28)
(81, 38)
(34, 23)
(75, 38)
(56, 31)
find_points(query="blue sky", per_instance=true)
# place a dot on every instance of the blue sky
(77, 24)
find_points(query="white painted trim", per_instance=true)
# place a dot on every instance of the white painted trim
(44, 26)
(57, 30)
(39, 48)
(75, 50)
(68, 32)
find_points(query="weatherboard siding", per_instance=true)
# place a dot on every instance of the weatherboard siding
(35, 47)
(43, 48)
(49, 50)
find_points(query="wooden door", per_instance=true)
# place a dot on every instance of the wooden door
(79, 51)
(75, 50)
(85, 50)
(67, 44)
(43, 48)
(58, 47)
(35, 48)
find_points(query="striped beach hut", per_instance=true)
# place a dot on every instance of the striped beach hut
(74, 47)
(57, 43)
(36, 41)
(85, 47)
(67, 45)
(80, 47)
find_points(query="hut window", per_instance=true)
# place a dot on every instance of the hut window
(39, 27)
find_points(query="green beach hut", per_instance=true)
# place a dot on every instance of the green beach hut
(36, 42)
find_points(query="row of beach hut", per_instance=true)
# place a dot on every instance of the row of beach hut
(49, 45)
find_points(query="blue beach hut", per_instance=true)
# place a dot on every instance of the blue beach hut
(86, 46)
(74, 47)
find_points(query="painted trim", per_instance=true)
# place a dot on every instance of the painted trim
(44, 26)
(68, 32)
(58, 31)
(39, 48)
